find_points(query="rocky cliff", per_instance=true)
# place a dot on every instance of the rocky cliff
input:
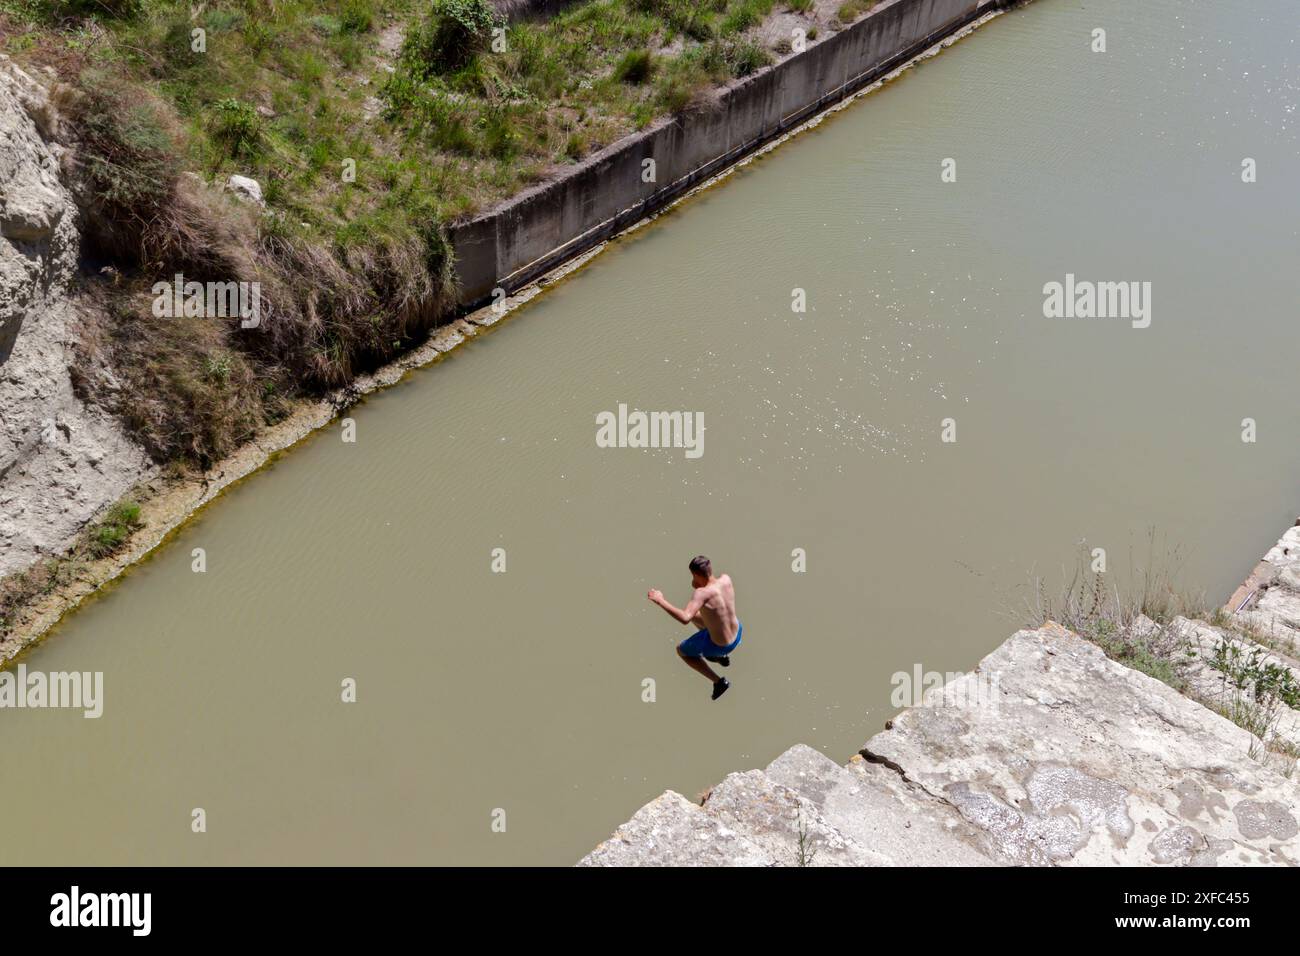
(1074, 759)
(61, 460)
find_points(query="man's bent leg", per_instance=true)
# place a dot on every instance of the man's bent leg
(697, 664)
(694, 649)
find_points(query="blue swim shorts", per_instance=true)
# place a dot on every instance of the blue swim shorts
(700, 644)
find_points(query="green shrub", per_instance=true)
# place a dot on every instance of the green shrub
(712, 60)
(439, 254)
(677, 92)
(259, 35)
(310, 70)
(356, 18)
(349, 49)
(453, 34)
(500, 140)
(745, 15)
(444, 123)
(326, 25)
(1251, 670)
(575, 147)
(745, 57)
(217, 368)
(115, 530)
(1141, 653)
(693, 22)
(223, 21)
(688, 17)
(636, 67)
(236, 125)
(739, 20)
(178, 50)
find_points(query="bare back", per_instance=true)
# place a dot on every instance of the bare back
(717, 614)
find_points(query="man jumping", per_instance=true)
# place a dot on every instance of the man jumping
(712, 609)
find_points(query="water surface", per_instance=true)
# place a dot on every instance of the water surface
(522, 691)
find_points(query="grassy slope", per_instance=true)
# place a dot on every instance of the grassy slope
(288, 91)
(365, 145)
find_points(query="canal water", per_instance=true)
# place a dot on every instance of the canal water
(520, 698)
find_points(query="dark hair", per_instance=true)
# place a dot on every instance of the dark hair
(701, 565)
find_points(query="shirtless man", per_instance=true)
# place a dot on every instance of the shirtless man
(712, 609)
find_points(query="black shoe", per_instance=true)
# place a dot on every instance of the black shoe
(720, 687)
(724, 660)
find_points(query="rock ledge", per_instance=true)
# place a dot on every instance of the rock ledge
(1076, 760)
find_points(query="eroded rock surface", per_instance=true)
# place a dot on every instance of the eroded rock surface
(785, 825)
(672, 831)
(61, 462)
(1083, 760)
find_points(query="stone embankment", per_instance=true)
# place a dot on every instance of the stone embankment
(1073, 759)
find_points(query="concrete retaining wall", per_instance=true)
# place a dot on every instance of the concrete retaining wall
(528, 235)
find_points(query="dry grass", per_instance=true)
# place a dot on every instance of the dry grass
(199, 387)
(1098, 608)
(1086, 597)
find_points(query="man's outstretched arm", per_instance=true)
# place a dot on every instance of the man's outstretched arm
(682, 615)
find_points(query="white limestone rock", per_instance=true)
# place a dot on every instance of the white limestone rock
(61, 461)
(246, 188)
(1121, 770)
